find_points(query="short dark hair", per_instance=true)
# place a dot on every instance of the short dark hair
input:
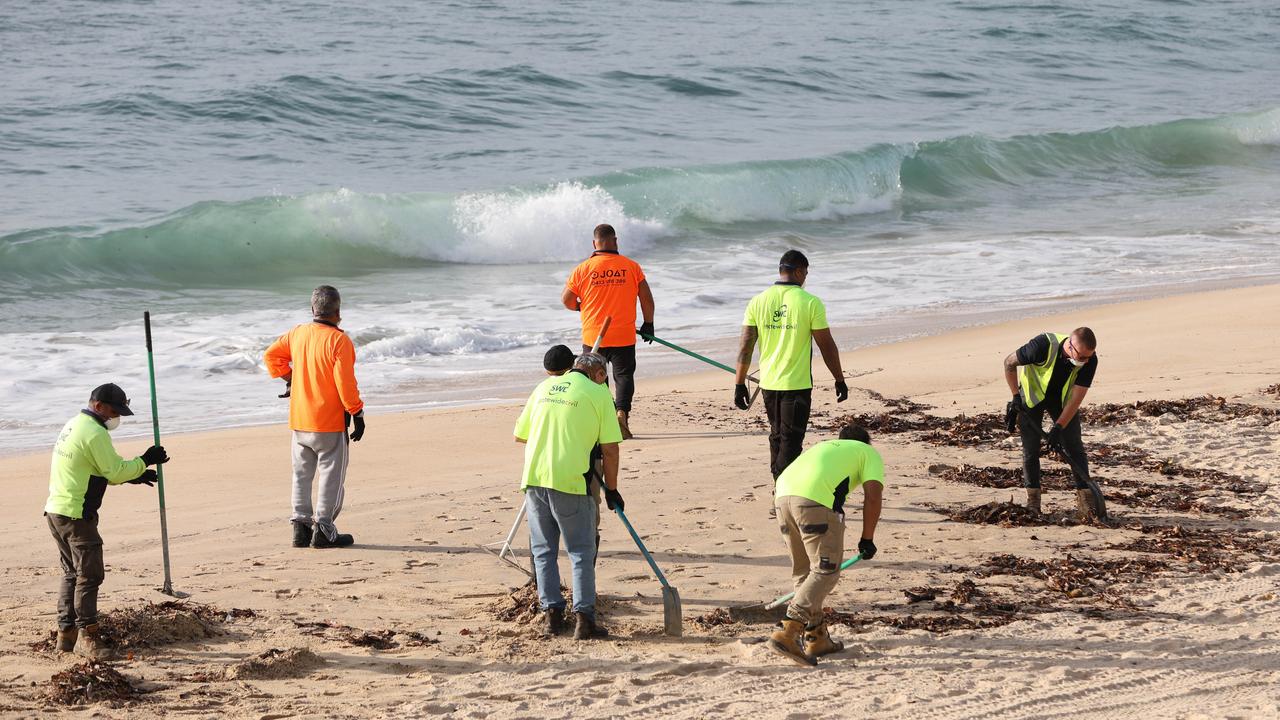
(793, 260)
(1087, 337)
(558, 359)
(604, 231)
(325, 301)
(855, 432)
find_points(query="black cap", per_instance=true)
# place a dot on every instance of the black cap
(112, 395)
(558, 359)
(793, 260)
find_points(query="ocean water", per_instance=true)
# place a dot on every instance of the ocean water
(443, 164)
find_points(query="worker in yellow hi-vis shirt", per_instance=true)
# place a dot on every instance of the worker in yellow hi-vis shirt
(810, 500)
(787, 320)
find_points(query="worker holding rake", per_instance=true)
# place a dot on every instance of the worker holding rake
(809, 497)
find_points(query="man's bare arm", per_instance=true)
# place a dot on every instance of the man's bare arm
(569, 299)
(646, 301)
(830, 353)
(746, 348)
(611, 459)
(873, 497)
(1011, 373)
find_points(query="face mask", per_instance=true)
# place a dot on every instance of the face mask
(113, 423)
(1078, 363)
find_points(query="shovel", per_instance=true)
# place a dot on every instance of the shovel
(1100, 502)
(708, 361)
(672, 620)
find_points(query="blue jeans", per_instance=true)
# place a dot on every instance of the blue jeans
(554, 515)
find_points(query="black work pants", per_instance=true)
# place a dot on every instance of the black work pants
(80, 553)
(623, 361)
(788, 412)
(1030, 427)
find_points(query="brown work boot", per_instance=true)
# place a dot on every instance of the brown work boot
(1085, 510)
(622, 423)
(91, 644)
(587, 628)
(67, 639)
(818, 642)
(553, 622)
(786, 642)
(1033, 500)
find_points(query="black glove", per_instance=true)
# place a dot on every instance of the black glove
(148, 478)
(1055, 440)
(867, 548)
(842, 391)
(613, 499)
(155, 455)
(1011, 413)
(647, 329)
(741, 397)
(358, 432)
(288, 389)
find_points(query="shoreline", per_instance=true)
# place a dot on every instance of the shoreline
(509, 388)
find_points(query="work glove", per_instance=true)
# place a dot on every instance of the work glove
(647, 329)
(741, 397)
(613, 499)
(867, 548)
(288, 389)
(148, 478)
(1055, 440)
(155, 455)
(842, 391)
(1011, 413)
(358, 421)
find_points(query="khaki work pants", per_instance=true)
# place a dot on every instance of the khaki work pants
(815, 537)
(80, 554)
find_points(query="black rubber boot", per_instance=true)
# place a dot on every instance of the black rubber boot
(321, 541)
(301, 534)
(587, 628)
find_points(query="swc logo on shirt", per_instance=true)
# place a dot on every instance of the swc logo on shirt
(779, 320)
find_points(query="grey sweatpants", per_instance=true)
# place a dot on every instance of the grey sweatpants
(324, 454)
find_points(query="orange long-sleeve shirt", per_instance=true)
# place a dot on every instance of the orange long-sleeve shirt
(323, 362)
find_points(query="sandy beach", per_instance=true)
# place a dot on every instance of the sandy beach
(1172, 612)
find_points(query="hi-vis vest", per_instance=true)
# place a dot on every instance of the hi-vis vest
(1034, 379)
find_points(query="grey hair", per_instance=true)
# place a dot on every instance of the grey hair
(325, 301)
(589, 361)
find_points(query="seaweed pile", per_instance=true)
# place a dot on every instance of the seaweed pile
(90, 682)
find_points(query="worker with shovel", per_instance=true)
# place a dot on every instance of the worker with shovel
(566, 416)
(318, 360)
(84, 464)
(1052, 374)
(788, 321)
(810, 497)
(605, 285)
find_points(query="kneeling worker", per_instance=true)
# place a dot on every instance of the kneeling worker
(565, 418)
(810, 499)
(84, 464)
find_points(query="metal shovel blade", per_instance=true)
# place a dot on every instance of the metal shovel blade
(1100, 503)
(672, 616)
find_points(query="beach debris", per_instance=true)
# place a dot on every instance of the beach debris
(356, 637)
(1076, 577)
(167, 623)
(755, 614)
(1007, 514)
(90, 682)
(522, 606)
(939, 624)
(275, 664)
(1204, 549)
(1205, 408)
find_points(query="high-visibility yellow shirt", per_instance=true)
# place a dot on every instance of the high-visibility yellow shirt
(84, 463)
(564, 419)
(785, 317)
(829, 471)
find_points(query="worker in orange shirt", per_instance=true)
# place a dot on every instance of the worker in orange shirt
(607, 284)
(317, 361)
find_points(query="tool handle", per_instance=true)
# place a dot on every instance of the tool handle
(661, 578)
(695, 355)
(155, 430)
(600, 338)
(784, 598)
(146, 320)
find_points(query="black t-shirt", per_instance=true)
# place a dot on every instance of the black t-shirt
(1036, 352)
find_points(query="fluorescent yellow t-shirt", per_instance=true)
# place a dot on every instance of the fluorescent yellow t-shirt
(785, 317)
(562, 421)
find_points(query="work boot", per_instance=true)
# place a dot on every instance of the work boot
(67, 639)
(553, 622)
(1033, 500)
(1085, 510)
(320, 540)
(91, 644)
(301, 534)
(818, 642)
(622, 423)
(786, 642)
(587, 628)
